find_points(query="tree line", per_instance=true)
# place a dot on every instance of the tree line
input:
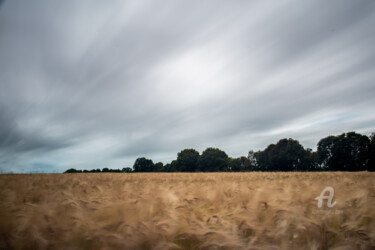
(346, 152)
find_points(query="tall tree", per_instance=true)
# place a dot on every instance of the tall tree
(311, 163)
(213, 160)
(187, 160)
(252, 158)
(286, 155)
(346, 152)
(143, 165)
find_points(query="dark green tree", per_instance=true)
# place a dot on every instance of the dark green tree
(213, 160)
(286, 155)
(346, 152)
(127, 170)
(240, 164)
(158, 167)
(143, 165)
(253, 159)
(166, 168)
(73, 170)
(370, 165)
(234, 164)
(173, 166)
(312, 161)
(169, 167)
(187, 160)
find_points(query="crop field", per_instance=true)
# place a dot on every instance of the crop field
(187, 211)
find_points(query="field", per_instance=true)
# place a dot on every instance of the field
(186, 211)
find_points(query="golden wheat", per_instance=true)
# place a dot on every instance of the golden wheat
(186, 211)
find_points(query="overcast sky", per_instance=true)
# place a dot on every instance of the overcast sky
(93, 84)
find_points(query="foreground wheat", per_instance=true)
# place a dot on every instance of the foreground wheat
(186, 211)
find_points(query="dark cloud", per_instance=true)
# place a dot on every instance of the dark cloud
(14, 139)
(94, 84)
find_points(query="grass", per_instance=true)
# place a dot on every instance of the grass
(186, 211)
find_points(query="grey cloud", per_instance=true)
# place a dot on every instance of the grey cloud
(12, 139)
(99, 83)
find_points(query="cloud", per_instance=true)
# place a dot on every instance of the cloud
(97, 84)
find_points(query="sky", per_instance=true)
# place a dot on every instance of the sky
(94, 84)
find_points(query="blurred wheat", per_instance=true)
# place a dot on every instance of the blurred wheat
(185, 211)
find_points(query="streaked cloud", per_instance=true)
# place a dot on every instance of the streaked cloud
(95, 84)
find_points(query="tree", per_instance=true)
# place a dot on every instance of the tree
(234, 164)
(73, 170)
(143, 165)
(240, 164)
(166, 168)
(213, 160)
(371, 154)
(312, 161)
(158, 167)
(127, 170)
(187, 160)
(346, 152)
(286, 155)
(173, 166)
(252, 158)
(246, 164)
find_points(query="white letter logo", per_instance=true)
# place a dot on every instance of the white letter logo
(328, 197)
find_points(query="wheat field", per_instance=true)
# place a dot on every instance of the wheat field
(186, 211)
